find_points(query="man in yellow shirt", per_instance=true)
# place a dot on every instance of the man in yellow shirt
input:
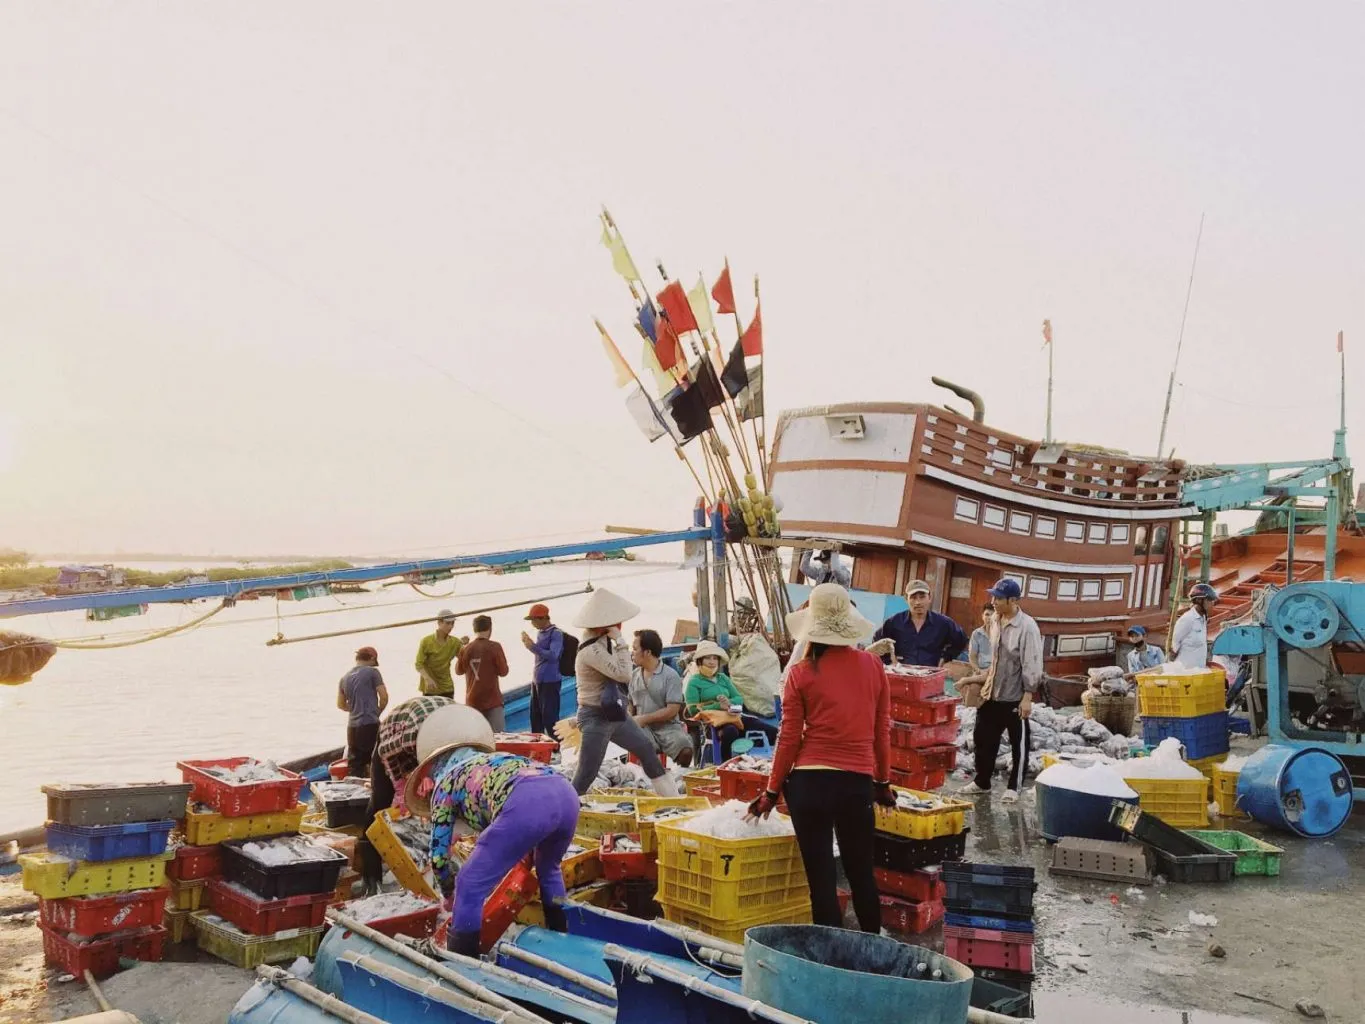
(434, 655)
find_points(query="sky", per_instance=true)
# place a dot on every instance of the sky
(320, 277)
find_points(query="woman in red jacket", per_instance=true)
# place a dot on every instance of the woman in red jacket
(833, 753)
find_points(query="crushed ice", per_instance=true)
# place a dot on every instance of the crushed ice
(727, 821)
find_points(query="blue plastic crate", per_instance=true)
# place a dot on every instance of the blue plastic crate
(1239, 725)
(1203, 736)
(997, 924)
(109, 842)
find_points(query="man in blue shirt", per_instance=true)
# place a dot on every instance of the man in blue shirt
(1143, 655)
(547, 679)
(921, 636)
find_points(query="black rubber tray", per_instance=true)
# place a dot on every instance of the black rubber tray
(276, 881)
(900, 854)
(1179, 856)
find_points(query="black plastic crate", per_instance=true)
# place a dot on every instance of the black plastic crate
(1002, 996)
(278, 881)
(900, 854)
(638, 896)
(1179, 856)
(991, 889)
(962, 869)
(82, 805)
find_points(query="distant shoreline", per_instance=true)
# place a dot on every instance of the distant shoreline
(123, 557)
(45, 576)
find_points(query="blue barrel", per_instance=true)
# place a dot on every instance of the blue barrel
(830, 974)
(266, 1004)
(1067, 812)
(1303, 791)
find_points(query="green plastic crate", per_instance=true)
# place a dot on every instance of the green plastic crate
(1253, 856)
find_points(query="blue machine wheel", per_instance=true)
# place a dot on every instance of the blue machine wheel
(1304, 618)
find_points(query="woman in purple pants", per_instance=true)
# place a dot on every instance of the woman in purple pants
(515, 805)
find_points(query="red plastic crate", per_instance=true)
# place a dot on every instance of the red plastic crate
(192, 863)
(338, 770)
(737, 785)
(900, 915)
(711, 792)
(922, 885)
(930, 711)
(925, 782)
(100, 915)
(617, 867)
(914, 682)
(256, 916)
(240, 801)
(916, 737)
(101, 956)
(419, 924)
(983, 947)
(539, 749)
(924, 760)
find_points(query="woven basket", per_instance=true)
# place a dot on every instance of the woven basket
(1114, 711)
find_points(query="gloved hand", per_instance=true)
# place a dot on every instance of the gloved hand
(882, 648)
(448, 902)
(425, 787)
(884, 794)
(763, 806)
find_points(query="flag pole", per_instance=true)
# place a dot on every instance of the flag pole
(761, 431)
(753, 420)
(1047, 340)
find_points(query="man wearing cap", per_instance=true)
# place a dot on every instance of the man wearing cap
(1143, 655)
(1007, 694)
(546, 678)
(362, 693)
(921, 636)
(434, 655)
(1190, 640)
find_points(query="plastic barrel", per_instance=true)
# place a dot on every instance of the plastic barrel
(265, 1004)
(1303, 791)
(828, 974)
(584, 955)
(1067, 812)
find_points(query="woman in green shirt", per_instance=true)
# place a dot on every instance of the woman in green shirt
(710, 689)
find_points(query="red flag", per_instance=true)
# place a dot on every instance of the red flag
(752, 338)
(678, 310)
(667, 348)
(724, 292)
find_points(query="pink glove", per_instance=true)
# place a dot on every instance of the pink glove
(425, 787)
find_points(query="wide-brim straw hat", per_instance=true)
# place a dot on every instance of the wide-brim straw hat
(605, 609)
(455, 725)
(710, 649)
(830, 618)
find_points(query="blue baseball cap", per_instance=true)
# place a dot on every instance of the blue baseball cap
(1005, 588)
(1137, 630)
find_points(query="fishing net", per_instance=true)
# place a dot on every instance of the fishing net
(21, 656)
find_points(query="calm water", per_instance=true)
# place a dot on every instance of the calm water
(130, 714)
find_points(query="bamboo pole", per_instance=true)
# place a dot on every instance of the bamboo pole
(343, 1011)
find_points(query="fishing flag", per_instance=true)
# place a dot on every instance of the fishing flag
(752, 338)
(690, 411)
(651, 420)
(705, 380)
(749, 402)
(663, 380)
(667, 348)
(620, 257)
(724, 292)
(701, 306)
(735, 376)
(618, 364)
(676, 309)
(648, 321)
(1047, 333)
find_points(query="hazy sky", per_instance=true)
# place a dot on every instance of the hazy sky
(320, 276)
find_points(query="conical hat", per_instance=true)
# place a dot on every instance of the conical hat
(605, 609)
(455, 725)
(709, 648)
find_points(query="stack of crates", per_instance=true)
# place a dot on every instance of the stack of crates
(923, 727)
(989, 920)
(100, 884)
(1190, 707)
(913, 838)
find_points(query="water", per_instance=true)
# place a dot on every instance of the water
(218, 691)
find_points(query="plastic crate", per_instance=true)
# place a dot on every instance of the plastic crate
(193, 862)
(343, 842)
(1102, 859)
(983, 947)
(88, 916)
(1182, 696)
(997, 924)
(228, 942)
(101, 956)
(900, 915)
(517, 888)
(278, 881)
(1201, 737)
(599, 816)
(797, 912)
(1180, 856)
(926, 760)
(1183, 803)
(54, 877)
(728, 879)
(188, 895)
(541, 748)
(989, 889)
(115, 805)
(341, 811)
(419, 924)
(109, 842)
(897, 853)
(648, 806)
(923, 885)
(1001, 997)
(700, 778)
(208, 828)
(947, 818)
(584, 866)
(1225, 792)
(930, 711)
(741, 785)
(617, 866)
(917, 736)
(179, 927)
(1254, 857)
(240, 800)
(922, 782)
(411, 874)
(914, 682)
(240, 906)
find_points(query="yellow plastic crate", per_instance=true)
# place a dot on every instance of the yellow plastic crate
(582, 868)
(599, 894)
(54, 877)
(797, 912)
(187, 895)
(612, 813)
(178, 924)
(726, 879)
(650, 805)
(315, 823)
(209, 828)
(1184, 696)
(1225, 792)
(701, 777)
(1182, 803)
(392, 851)
(229, 943)
(947, 819)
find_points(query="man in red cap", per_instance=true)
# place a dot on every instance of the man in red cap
(549, 650)
(362, 693)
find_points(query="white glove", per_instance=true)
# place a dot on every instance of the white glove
(882, 647)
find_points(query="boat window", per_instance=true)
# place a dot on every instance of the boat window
(1113, 590)
(1070, 644)
(1039, 586)
(1021, 522)
(994, 517)
(1046, 528)
(965, 508)
(1075, 532)
(1099, 533)
(1140, 541)
(1159, 540)
(1090, 590)
(1066, 590)
(1005, 460)
(1118, 533)
(1099, 643)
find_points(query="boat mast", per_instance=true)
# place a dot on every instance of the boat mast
(1180, 341)
(1047, 342)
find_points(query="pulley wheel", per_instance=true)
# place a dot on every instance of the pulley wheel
(1303, 618)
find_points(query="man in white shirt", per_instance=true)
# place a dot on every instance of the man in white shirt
(1190, 640)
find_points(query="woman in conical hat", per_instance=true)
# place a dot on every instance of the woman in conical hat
(833, 756)
(710, 689)
(603, 672)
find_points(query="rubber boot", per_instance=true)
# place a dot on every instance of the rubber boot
(555, 918)
(464, 943)
(664, 785)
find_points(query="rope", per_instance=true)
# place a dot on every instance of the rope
(448, 593)
(86, 645)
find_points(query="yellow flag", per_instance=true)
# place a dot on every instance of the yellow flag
(620, 258)
(618, 364)
(663, 380)
(701, 306)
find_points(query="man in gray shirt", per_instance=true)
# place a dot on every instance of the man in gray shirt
(656, 694)
(362, 693)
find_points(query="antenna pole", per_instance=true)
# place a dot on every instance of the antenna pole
(1180, 341)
